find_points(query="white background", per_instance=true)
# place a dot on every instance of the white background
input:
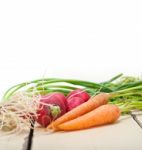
(91, 40)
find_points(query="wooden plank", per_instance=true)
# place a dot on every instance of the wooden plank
(12, 142)
(140, 118)
(123, 135)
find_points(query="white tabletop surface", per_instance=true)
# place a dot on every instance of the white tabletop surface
(123, 135)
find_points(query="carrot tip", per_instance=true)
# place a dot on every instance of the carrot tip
(49, 130)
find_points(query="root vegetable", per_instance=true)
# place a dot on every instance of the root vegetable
(74, 102)
(91, 104)
(79, 93)
(105, 114)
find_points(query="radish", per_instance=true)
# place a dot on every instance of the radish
(56, 99)
(74, 102)
(44, 116)
(79, 93)
(57, 107)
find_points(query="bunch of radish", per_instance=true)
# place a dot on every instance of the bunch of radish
(56, 104)
(76, 97)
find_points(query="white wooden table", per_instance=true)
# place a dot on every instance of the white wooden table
(123, 135)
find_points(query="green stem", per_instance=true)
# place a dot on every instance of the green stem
(50, 86)
(129, 85)
(126, 90)
(14, 88)
(113, 79)
(46, 91)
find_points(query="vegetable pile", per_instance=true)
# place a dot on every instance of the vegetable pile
(69, 104)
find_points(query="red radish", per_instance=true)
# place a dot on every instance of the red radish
(57, 108)
(74, 102)
(79, 93)
(56, 99)
(44, 116)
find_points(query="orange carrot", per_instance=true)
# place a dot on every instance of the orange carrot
(91, 104)
(102, 115)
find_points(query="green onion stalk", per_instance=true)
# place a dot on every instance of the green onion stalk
(126, 92)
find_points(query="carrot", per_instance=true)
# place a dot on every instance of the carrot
(91, 104)
(103, 115)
